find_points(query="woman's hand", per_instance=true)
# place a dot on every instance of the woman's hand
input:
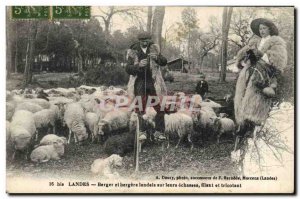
(258, 53)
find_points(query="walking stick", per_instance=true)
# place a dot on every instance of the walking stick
(137, 144)
(163, 154)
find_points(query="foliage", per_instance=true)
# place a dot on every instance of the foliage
(109, 74)
(240, 30)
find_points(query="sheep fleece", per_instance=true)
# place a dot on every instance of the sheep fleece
(47, 152)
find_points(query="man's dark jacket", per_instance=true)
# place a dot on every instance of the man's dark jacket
(144, 84)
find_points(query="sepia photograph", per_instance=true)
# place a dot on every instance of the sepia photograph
(150, 99)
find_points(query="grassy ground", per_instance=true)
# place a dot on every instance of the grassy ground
(207, 159)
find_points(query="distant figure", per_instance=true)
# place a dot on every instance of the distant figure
(202, 86)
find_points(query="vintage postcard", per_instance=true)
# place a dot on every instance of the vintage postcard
(150, 99)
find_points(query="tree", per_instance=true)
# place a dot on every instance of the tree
(108, 14)
(240, 26)
(205, 42)
(189, 23)
(157, 23)
(33, 25)
(149, 19)
(9, 43)
(225, 29)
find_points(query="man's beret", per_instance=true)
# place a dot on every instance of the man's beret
(144, 35)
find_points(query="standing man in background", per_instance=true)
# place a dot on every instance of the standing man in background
(202, 86)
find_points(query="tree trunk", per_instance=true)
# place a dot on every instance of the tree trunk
(17, 52)
(158, 18)
(188, 49)
(30, 53)
(149, 19)
(225, 29)
(201, 62)
(9, 43)
(80, 62)
(106, 29)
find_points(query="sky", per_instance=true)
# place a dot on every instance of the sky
(172, 15)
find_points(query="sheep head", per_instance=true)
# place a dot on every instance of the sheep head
(59, 148)
(115, 160)
(215, 121)
(61, 107)
(103, 127)
(222, 115)
(81, 133)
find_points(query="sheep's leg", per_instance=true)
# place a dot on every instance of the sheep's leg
(69, 139)
(75, 138)
(168, 138)
(93, 137)
(26, 154)
(36, 136)
(179, 141)
(218, 138)
(190, 141)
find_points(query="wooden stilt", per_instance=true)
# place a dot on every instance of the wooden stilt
(163, 150)
(137, 144)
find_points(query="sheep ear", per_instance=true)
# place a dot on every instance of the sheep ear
(97, 100)
(213, 118)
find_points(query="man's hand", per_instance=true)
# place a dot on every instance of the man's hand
(143, 63)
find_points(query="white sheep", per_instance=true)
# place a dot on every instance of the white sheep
(91, 120)
(51, 139)
(210, 103)
(62, 91)
(41, 102)
(196, 101)
(113, 121)
(208, 110)
(17, 91)
(105, 167)
(47, 117)
(29, 107)
(223, 126)
(47, 152)
(115, 91)
(74, 118)
(17, 99)
(89, 104)
(202, 118)
(22, 129)
(60, 100)
(177, 123)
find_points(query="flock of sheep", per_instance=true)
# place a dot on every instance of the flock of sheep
(32, 121)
